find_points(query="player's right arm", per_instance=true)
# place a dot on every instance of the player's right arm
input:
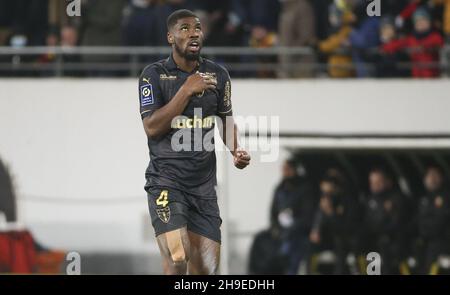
(157, 116)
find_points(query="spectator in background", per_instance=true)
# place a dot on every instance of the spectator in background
(446, 28)
(69, 36)
(336, 46)
(388, 65)
(66, 37)
(5, 21)
(296, 28)
(162, 12)
(24, 23)
(259, 22)
(139, 28)
(321, 17)
(52, 40)
(404, 14)
(433, 221)
(216, 16)
(101, 26)
(70, 39)
(446, 20)
(292, 212)
(28, 19)
(384, 223)
(265, 255)
(259, 19)
(102, 21)
(335, 222)
(423, 46)
(362, 39)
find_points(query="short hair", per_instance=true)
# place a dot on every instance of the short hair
(178, 14)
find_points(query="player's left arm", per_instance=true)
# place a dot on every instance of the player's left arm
(241, 158)
(229, 131)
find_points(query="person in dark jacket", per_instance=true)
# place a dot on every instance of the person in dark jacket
(388, 65)
(433, 218)
(292, 213)
(362, 39)
(139, 28)
(336, 221)
(385, 222)
(265, 255)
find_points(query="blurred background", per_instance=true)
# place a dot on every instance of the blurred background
(364, 134)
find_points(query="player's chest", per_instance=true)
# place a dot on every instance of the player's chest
(205, 102)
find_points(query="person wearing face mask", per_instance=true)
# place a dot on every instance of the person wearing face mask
(433, 217)
(384, 223)
(292, 211)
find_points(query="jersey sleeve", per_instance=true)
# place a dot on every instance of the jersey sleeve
(224, 107)
(150, 94)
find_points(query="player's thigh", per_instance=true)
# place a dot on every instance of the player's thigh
(174, 246)
(204, 255)
(168, 209)
(168, 212)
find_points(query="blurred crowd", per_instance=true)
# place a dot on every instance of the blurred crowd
(410, 233)
(404, 41)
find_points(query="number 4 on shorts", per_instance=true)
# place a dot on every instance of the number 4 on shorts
(162, 199)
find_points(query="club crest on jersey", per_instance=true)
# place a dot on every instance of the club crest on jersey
(147, 95)
(164, 214)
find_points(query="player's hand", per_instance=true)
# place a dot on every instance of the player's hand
(198, 83)
(241, 159)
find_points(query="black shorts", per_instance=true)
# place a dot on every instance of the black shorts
(171, 209)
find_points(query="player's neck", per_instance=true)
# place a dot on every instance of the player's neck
(184, 64)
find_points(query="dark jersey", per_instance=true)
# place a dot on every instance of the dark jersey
(184, 158)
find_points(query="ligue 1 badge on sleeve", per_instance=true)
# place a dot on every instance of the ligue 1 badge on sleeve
(147, 95)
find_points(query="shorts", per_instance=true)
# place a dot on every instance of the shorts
(171, 209)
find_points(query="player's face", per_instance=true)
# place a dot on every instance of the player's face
(188, 38)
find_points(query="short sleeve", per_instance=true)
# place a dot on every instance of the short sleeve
(150, 95)
(224, 104)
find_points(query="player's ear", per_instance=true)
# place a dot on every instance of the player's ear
(169, 38)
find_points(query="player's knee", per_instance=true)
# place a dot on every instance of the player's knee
(178, 254)
(179, 258)
(177, 248)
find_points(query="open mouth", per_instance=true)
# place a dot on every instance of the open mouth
(194, 46)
